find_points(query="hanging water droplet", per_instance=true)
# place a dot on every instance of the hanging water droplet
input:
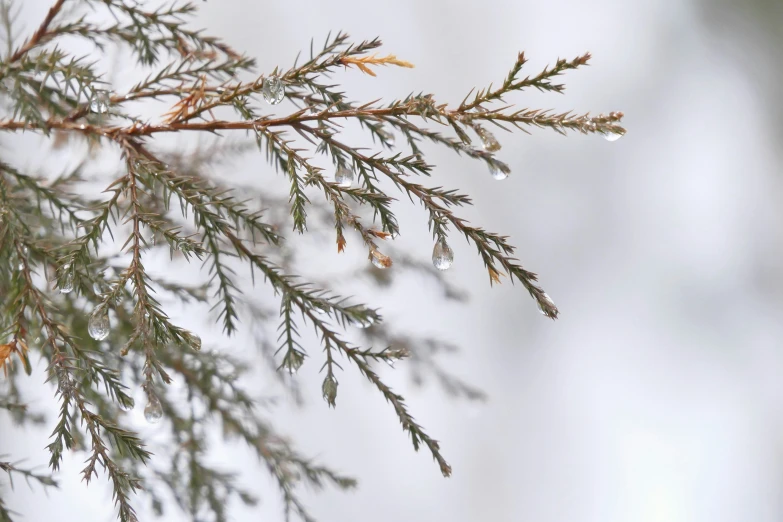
(100, 100)
(380, 260)
(129, 405)
(273, 90)
(548, 300)
(390, 362)
(153, 411)
(491, 144)
(498, 173)
(98, 325)
(329, 389)
(442, 255)
(293, 363)
(613, 136)
(387, 136)
(343, 176)
(365, 322)
(25, 252)
(66, 282)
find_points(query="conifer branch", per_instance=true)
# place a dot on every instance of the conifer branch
(61, 273)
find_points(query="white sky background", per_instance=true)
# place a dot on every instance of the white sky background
(656, 396)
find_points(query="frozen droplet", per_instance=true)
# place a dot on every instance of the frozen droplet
(329, 389)
(129, 405)
(613, 136)
(365, 322)
(25, 252)
(153, 411)
(498, 173)
(66, 281)
(491, 144)
(380, 260)
(387, 136)
(343, 176)
(442, 255)
(548, 300)
(273, 90)
(293, 363)
(100, 100)
(98, 325)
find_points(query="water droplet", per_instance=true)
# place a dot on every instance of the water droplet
(25, 252)
(498, 173)
(100, 100)
(388, 137)
(273, 90)
(66, 282)
(362, 323)
(329, 389)
(390, 362)
(613, 136)
(491, 144)
(343, 176)
(98, 325)
(442, 255)
(195, 342)
(128, 406)
(153, 411)
(294, 365)
(380, 260)
(548, 300)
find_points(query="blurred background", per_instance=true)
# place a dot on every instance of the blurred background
(657, 394)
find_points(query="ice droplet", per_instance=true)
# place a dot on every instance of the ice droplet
(548, 300)
(66, 282)
(100, 100)
(343, 176)
(98, 325)
(362, 323)
(491, 144)
(380, 260)
(329, 389)
(273, 90)
(442, 255)
(613, 136)
(127, 406)
(25, 252)
(293, 363)
(153, 411)
(498, 173)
